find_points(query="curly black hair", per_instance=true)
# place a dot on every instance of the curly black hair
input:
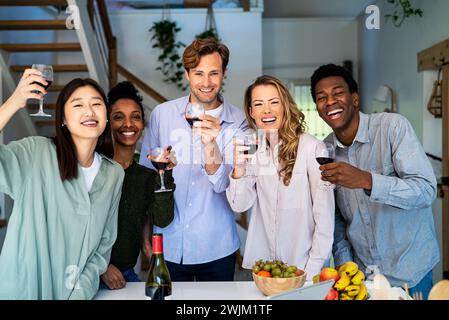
(332, 70)
(125, 90)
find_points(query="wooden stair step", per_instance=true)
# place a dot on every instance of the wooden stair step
(35, 47)
(33, 25)
(33, 3)
(56, 68)
(44, 123)
(47, 106)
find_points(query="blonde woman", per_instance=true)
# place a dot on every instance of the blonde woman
(292, 218)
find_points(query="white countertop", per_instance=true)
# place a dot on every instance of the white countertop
(226, 290)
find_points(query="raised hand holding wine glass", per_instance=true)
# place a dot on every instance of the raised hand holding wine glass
(47, 74)
(193, 111)
(245, 146)
(324, 154)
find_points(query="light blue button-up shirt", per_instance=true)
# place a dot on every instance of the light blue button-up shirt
(392, 227)
(203, 228)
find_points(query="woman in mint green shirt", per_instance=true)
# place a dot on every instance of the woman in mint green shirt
(66, 192)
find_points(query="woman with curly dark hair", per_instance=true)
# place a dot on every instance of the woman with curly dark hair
(140, 207)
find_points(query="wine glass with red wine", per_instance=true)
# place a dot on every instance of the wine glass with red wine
(250, 138)
(47, 74)
(193, 111)
(158, 157)
(324, 154)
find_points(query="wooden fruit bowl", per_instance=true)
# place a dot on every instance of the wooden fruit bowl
(270, 286)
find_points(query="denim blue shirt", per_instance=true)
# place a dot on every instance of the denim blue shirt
(391, 227)
(204, 227)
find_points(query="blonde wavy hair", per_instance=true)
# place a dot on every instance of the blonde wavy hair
(292, 126)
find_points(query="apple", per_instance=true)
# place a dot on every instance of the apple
(329, 273)
(332, 295)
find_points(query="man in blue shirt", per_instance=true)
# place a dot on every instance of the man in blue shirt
(385, 186)
(201, 242)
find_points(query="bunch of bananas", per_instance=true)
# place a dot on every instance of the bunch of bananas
(350, 285)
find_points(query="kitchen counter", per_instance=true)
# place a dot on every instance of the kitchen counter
(235, 290)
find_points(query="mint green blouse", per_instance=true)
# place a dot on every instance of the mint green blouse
(59, 235)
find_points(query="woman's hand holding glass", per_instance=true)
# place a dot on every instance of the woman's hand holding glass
(245, 147)
(28, 88)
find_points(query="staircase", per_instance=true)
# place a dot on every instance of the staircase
(30, 30)
(89, 51)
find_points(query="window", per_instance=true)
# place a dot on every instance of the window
(315, 125)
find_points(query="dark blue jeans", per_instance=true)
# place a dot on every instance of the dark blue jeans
(424, 286)
(129, 275)
(218, 270)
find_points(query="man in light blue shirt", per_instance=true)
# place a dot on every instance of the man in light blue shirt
(385, 186)
(201, 242)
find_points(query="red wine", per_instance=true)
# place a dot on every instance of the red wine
(158, 285)
(45, 87)
(252, 148)
(192, 120)
(324, 160)
(159, 165)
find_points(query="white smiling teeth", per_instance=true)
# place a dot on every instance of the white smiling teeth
(128, 133)
(89, 123)
(268, 119)
(334, 112)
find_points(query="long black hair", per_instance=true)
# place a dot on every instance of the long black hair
(65, 147)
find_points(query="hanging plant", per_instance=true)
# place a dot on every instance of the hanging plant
(164, 38)
(210, 30)
(402, 10)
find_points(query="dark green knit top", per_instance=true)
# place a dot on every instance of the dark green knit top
(138, 203)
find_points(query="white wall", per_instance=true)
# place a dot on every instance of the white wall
(240, 31)
(389, 56)
(294, 47)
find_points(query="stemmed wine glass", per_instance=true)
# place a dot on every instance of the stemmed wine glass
(193, 111)
(47, 74)
(324, 154)
(250, 138)
(158, 157)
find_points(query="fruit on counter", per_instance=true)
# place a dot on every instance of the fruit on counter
(275, 269)
(350, 268)
(332, 295)
(349, 283)
(345, 296)
(329, 273)
(363, 293)
(352, 290)
(343, 282)
(358, 278)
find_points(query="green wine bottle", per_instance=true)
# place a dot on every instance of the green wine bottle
(158, 285)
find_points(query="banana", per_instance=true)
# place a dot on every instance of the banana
(343, 282)
(344, 296)
(363, 293)
(350, 268)
(316, 278)
(358, 278)
(352, 290)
